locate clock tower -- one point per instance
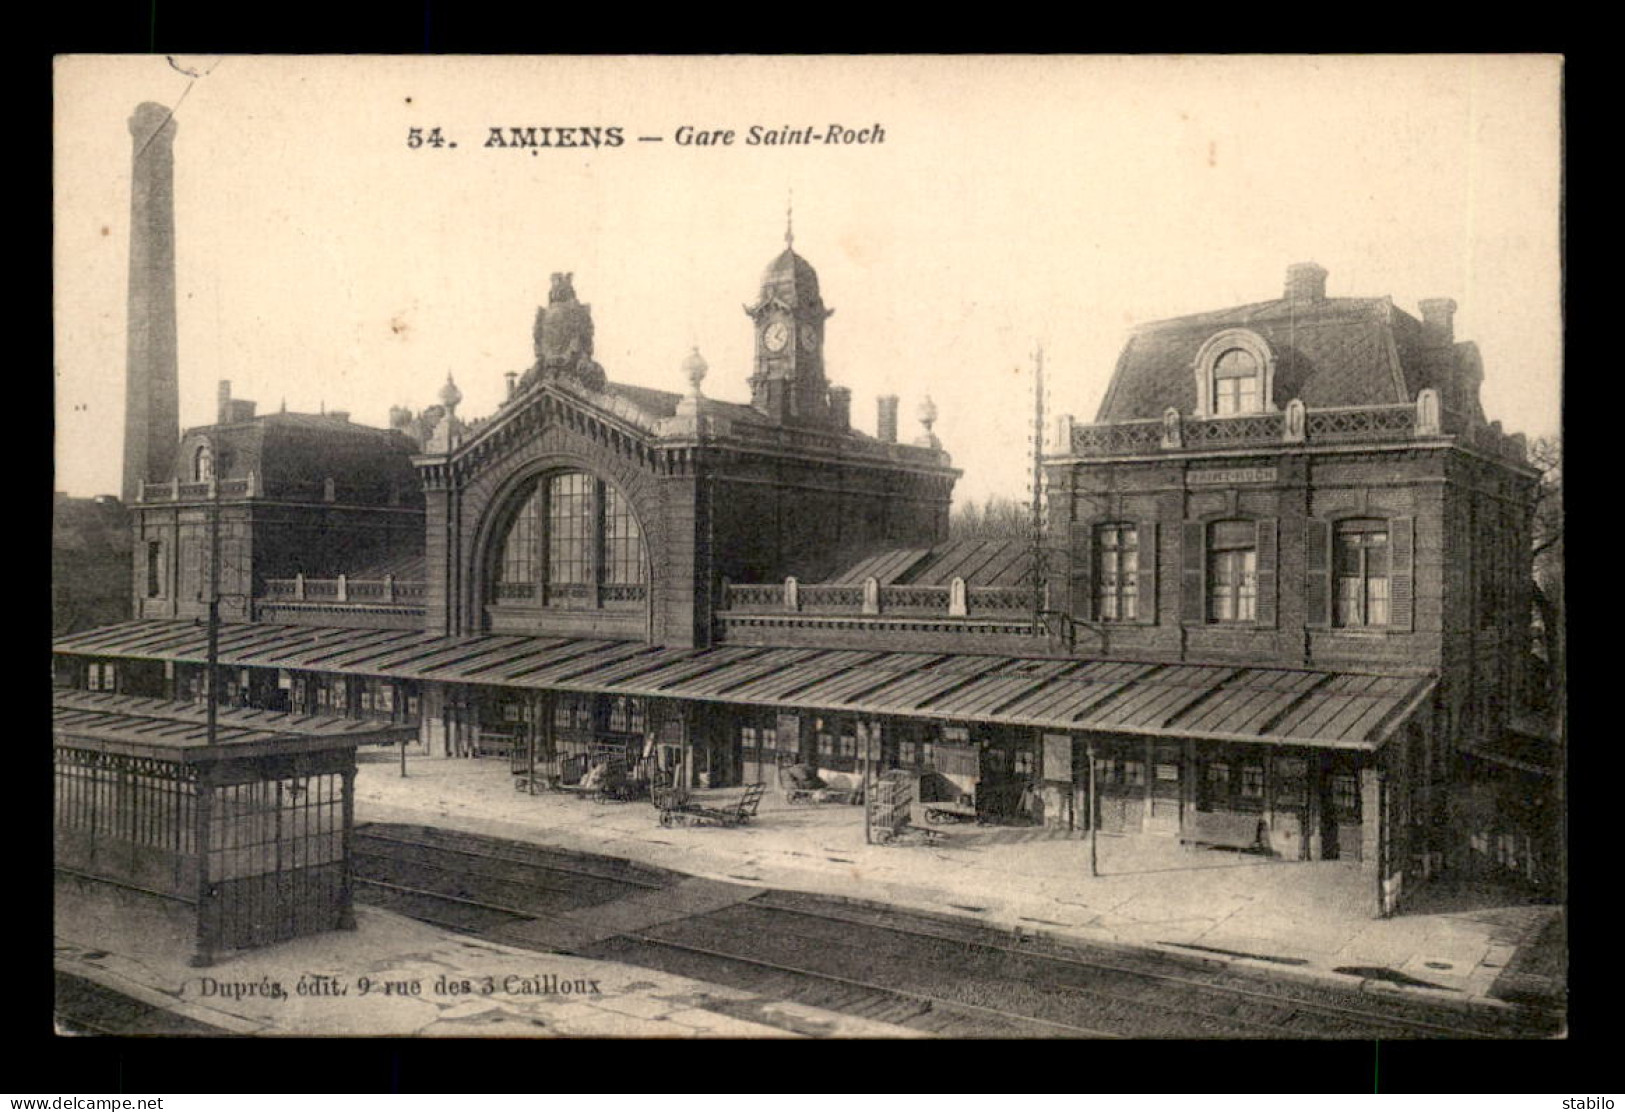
(788, 382)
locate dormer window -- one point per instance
(1235, 383)
(1234, 375)
(203, 464)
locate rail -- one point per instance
(1296, 424)
(360, 592)
(954, 600)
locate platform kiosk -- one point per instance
(240, 843)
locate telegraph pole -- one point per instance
(1040, 568)
(212, 668)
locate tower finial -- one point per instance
(790, 221)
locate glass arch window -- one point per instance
(571, 541)
(1236, 383)
(202, 464)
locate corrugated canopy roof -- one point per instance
(1348, 710)
(179, 730)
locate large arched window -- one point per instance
(571, 541)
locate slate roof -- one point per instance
(293, 454)
(1329, 352)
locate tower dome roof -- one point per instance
(791, 275)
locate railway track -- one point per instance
(85, 1008)
(939, 976)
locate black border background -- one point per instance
(42, 1064)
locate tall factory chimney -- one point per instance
(152, 378)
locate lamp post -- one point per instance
(1094, 817)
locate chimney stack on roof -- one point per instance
(840, 407)
(1438, 322)
(1305, 282)
(230, 410)
(886, 423)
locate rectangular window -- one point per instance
(519, 550)
(1117, 563)
(1360, 562)
(1346, 797)
(1252, 782)
(626, 715)
(573, 712)
(155, 576)
(1133, 774)
(623, 544)
(1232, 571)
(569, 529)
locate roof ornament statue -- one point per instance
(563, 337)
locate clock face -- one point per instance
(776, 336)
(809, 338)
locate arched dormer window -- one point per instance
(1235, 374)
(203, 463)
(571, 541)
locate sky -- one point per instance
(1009, 204)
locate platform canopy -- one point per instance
(179, 730)
(1221, 702)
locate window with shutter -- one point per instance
(1267, 531)
(1317, 583)
(1148, 573)
(1402, 577)
(1192, 565)
(1083, 580)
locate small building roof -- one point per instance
(178, 731)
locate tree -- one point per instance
(1000, 518)
(1546, 539)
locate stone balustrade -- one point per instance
(869, 598)
(1295, 424)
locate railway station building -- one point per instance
(1283, 603)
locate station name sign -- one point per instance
(1230, 476)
